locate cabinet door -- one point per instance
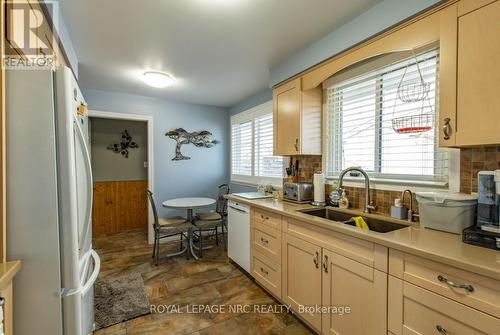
(362, 289)
(417, 311)
(287, 114)
(478, 101)
(301, 281)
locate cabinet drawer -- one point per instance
(482, 294)
(267, 273)
(267, 218)
(364, 252)
(424, 312)
(267, 241)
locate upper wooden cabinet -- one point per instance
(297, 119)
(470, 74)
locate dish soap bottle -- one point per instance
(343, 201)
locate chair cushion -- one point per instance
(172, 220)
(207, 224)
(208, 216)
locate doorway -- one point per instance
(121, 164)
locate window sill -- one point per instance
(398, 185)
(255, 181)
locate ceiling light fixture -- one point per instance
(157, 79)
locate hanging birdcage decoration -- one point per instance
(412, 91)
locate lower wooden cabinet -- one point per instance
(417, 311)
(333, 293)
(342, 285)
(267, 273)
(356, 295)
(301, 278)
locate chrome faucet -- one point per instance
(411, 214)
(368, 203)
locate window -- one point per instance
(372, 124)
(252, 159)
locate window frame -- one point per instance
(385, 181)
(245, 116)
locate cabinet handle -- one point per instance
(264, 271)
(316, 260)
(264, 217)
(467, 287)
(296, 145)
(441, 330)
(263, 240)
(447, 128)
(325, 264)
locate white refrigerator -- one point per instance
(49, 203)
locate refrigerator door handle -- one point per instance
(88, 166)
(66, 292)
(95, 273)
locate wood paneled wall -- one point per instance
(118, 206)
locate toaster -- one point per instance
(298, 192)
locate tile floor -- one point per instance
(185, 284)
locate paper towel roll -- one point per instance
(319, 187)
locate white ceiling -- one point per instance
(219, 51)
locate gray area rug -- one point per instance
(119, 299)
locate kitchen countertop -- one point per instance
(435, 245)
(7, 271)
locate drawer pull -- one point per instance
(264, 217)
(264, 271)
(325, 264)
(263, 240)
(316, 260)
(445, 280)
(441, 330)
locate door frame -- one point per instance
(149, 120)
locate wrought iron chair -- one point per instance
(211, 221)
(167, 227)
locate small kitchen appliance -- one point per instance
(487, 231)
(488, 192)
(298, 192)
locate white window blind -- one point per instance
(372, 124)
(252, 159)
(241, 134)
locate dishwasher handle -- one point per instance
(238, 209)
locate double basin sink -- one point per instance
(377, 225)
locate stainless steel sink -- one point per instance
(377, 225)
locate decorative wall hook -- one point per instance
(202, 139)
(125, 144)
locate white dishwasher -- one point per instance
(238, 234)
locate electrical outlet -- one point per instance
(146, 164)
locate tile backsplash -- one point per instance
(472, 160)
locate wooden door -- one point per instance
(478, 98)
(287, 115)
(301, 278)
(118, 206)
(363, 289)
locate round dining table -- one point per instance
(189, 204)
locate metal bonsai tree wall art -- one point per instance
(125, 144)
(201, 139)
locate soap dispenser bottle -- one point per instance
(343, 201)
